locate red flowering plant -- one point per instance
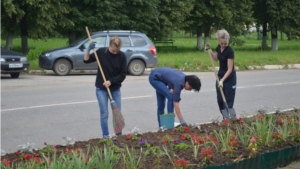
(228, 141)
(183, 129)
(185, 137)
(181, 164)
(132, 137)
(206, 155)
(167, 139)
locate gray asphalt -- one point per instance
(45, 108)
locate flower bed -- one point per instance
(266, 139)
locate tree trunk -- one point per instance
(24, 32)
(264, 38)
(274, 39)
(280, 35)
(72, 37)
(206, 34)
(199, 39)
(9, 40)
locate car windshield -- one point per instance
(77, 42)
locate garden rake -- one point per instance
(228, 113)
(118, 120)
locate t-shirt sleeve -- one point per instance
(176, 94)
(230, 54)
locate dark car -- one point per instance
(138, 48)
(13, 63)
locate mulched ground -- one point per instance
(155, 139)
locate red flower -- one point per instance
(299, 120)
(239, 119)
(225, 122)
(78, 150)
(54, 147)
(201, 141)
(235, 143)
(232, 138)
(215, 140)
(68, 151)
(37, 159)
(253, 140)
(128, 136)
(260, 117)
(181, 163)
(280, 120)
(7, 162)
(165, 140)
(175, 130)
(228, 151)
(183, 137)
(186, 129)
(45, 143)
(17, 153)
(27, 156)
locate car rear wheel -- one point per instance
(15, 75)
(62, 67)
(136, 67)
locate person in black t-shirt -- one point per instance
(226, 73)
(114, 65)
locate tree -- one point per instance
(171, 16)
(142, 15)
(36, 18)
(96, 14)
(217, 14)
(10, 19)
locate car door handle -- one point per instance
(129, 50)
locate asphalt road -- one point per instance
(44, 108)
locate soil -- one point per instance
(156, 139)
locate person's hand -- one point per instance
(183, 123)
(107, 84)
(171, 91)
(220, 84)
(91, 46)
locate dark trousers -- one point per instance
(229, 88)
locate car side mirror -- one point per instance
(82, 47)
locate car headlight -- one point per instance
(47, 54)
(2, 60)
(23, 59)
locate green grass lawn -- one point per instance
(186, 57)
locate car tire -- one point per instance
(136, 67)
(62, 67)
(15, 75)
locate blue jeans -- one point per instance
(102, 96)
(162, 93)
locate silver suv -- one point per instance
(139, 50)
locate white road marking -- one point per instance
(71, 103)
(136, 97)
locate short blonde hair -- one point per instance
(116, 41)
(223, 35)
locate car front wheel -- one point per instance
(62, 67)
(136, 67)
(15, 75)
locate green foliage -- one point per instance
(182, 146)
(263, 128)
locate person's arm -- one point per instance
(87, 57)
(213, 55)
(178, 111)
(122, 75)
(229, 70)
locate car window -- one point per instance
(100, 42)
(138, 40)
(125, 41)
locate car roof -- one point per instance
(10, 52)
(117, 32)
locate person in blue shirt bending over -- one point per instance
(168, 84)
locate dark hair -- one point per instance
(194, 82)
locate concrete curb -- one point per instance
(266, 67)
